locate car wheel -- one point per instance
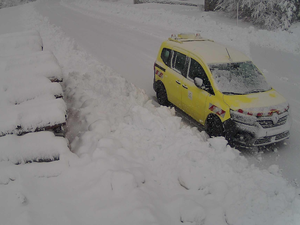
(214, 126)
(161, 95)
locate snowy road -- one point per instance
(282, 72)
(130, 48)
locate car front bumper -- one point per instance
(263, 132)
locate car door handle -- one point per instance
(184, 86)
(178, 82)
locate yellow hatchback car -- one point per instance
(221, 89)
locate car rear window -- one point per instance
(166, 55)
(179, 60)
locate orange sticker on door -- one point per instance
(216, 110)
(158, 73)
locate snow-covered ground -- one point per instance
(134, 162)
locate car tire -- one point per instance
(161, 95)
(214, 126)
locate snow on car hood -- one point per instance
(262, 102)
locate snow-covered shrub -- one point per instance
(297, 3)
(10, 3)
(269, 14)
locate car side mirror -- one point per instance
(198, 82)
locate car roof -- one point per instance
(209, 51)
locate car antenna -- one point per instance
(230, 59)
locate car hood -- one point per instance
(257, 102)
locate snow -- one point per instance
(21, 149)
(19, 92)
(132, 162)
(239, 80)
(32, 115)
(39, 63)
(20, 43)
(209, 28)
(28, 97)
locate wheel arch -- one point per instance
(157, 83)
(160, 85)
(214, 118)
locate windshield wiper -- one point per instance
(255, 91)
(258, 90)
(232, 93)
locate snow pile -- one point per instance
(35, 64)
(20, 43)
(139, 164)
(31, 116)
(27, 148)
(28, 100)
(30, 89)
(25, 77)
(28, 97)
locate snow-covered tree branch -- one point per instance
(269, 14)
(10, 3)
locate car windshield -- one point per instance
(238, 78)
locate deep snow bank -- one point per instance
(28, 95)
(31, 147)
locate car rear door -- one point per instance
(175, 76)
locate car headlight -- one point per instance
(243, 118)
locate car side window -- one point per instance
(179, 63)
(196, 70)
(166, 55)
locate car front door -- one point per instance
(194, 98)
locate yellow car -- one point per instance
(221, 89)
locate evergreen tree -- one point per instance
(10, 3)
(269, 14)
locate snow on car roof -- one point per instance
(211, 52)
